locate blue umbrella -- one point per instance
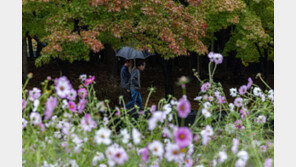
(131, 53)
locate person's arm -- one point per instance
(134, 78)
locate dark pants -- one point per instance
(136, 98)
(126, 95)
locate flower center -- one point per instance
(155, 149)
(175, 152)
(182, 136)
(71, 106)
(117, 155)
(103, 136)
(182, 150)
(62, 88)
(182, 107)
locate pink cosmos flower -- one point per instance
(234, 147)
(87, 123)
(183, 137)
(243, 89)
(250, 82)
(42, 128)
(82, 93)
(153, 108)
(221, 100)
(188, 162)
(218, 58)
(118, 111)
(145, 154)
(268, 162)
(239, 124)
(24, 123)
(211, 56)
(238, 102)
(62, 87)
(119, 156)
(34, 94)
(24, 104)
(72, 106)
(51, 103)
(244, 112)
(205, 87)
(184, 108)
(196, 138)
(89, 80)
(81, 105)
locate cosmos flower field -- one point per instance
(69, 127)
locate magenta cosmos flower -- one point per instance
(145, 154)
(89, 80)
(82, 93)
(243, 89)
(87, 123)
(72, 106)
(205, 87)
(81, 105)
(51, 103)
(183, 137)
(184, 108)
(239, 124)
(34, 94)
(24, 104)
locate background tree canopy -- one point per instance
(72, 29)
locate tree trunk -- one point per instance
(168, 77)
(110, 60)
(30, 47)
(63, 65)
(24, 59)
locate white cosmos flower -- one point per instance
(167, 108)
(197, 98)
(126, 136)
(270, 94)
(103, 136)
(65, 103)
(136, 136)
(231, 107)
(243, 155)
(240, 163)
(119, 156)
(207, 105)
(208, 131)
(103, 165)
(156, 148)
(206, 113)
(36, 104)
(233, 92)
(173, 153)
(170, 117)
(35, 118)
(257, 91)
(222, 156)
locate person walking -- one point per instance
(135, 85)
(124, 80)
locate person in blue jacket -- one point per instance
(135, 86)
(124, 79)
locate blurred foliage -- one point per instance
(164, 26)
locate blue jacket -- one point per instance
(135, 79)
(124, 77)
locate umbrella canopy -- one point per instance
(131, 53)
